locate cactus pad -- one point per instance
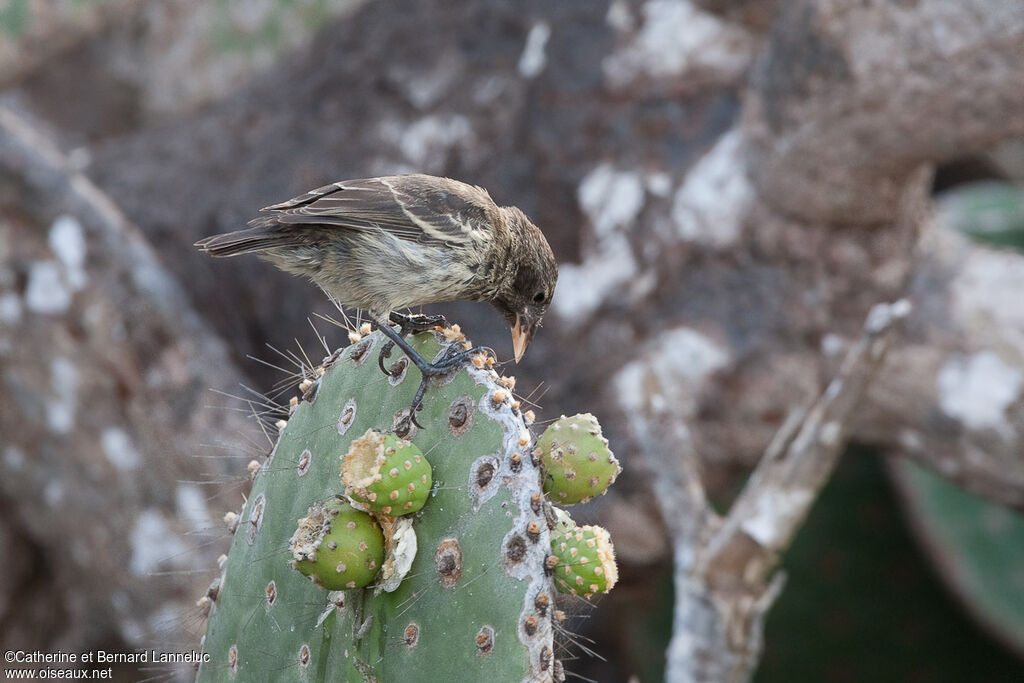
(576, 460)
(383, 473)
(471, 595)
(337, 546)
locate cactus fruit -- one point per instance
(577, 462)
(585, 559)
(383, 473)
(337, 546)
(471, 595)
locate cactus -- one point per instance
(465, 592)
(976, 546)
(577, 462)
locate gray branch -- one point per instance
(726, 581)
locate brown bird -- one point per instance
(382, 244)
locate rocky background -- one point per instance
(729, 186)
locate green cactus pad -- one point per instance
(975, 544)
(471, 598)
(576, 460)
(385, 474)
(337, 546)
(586, 560)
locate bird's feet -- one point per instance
(413, 324)
(451, 360)
(407, 324)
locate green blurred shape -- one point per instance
(14, 17)
(990, 212)
(977, 546)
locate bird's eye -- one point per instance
(539, 297)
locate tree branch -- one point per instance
(727, 580)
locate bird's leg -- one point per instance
(453, 358)
(408, 324)
(447, 363)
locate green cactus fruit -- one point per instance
(385, 474)
(464, 593)
(576, 460)
(337, 546)
(585, 559)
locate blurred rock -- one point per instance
(126, 63)
(114, 470)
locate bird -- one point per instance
(396, 242)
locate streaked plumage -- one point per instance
(382, 244)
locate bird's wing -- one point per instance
(417, 208)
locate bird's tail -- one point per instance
(263, 236)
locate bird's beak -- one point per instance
(522, 333)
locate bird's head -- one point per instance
(526, 297)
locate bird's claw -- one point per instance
(417, 403)
(408, 324)
(449, 361)
(453, 358)
(385, 352)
